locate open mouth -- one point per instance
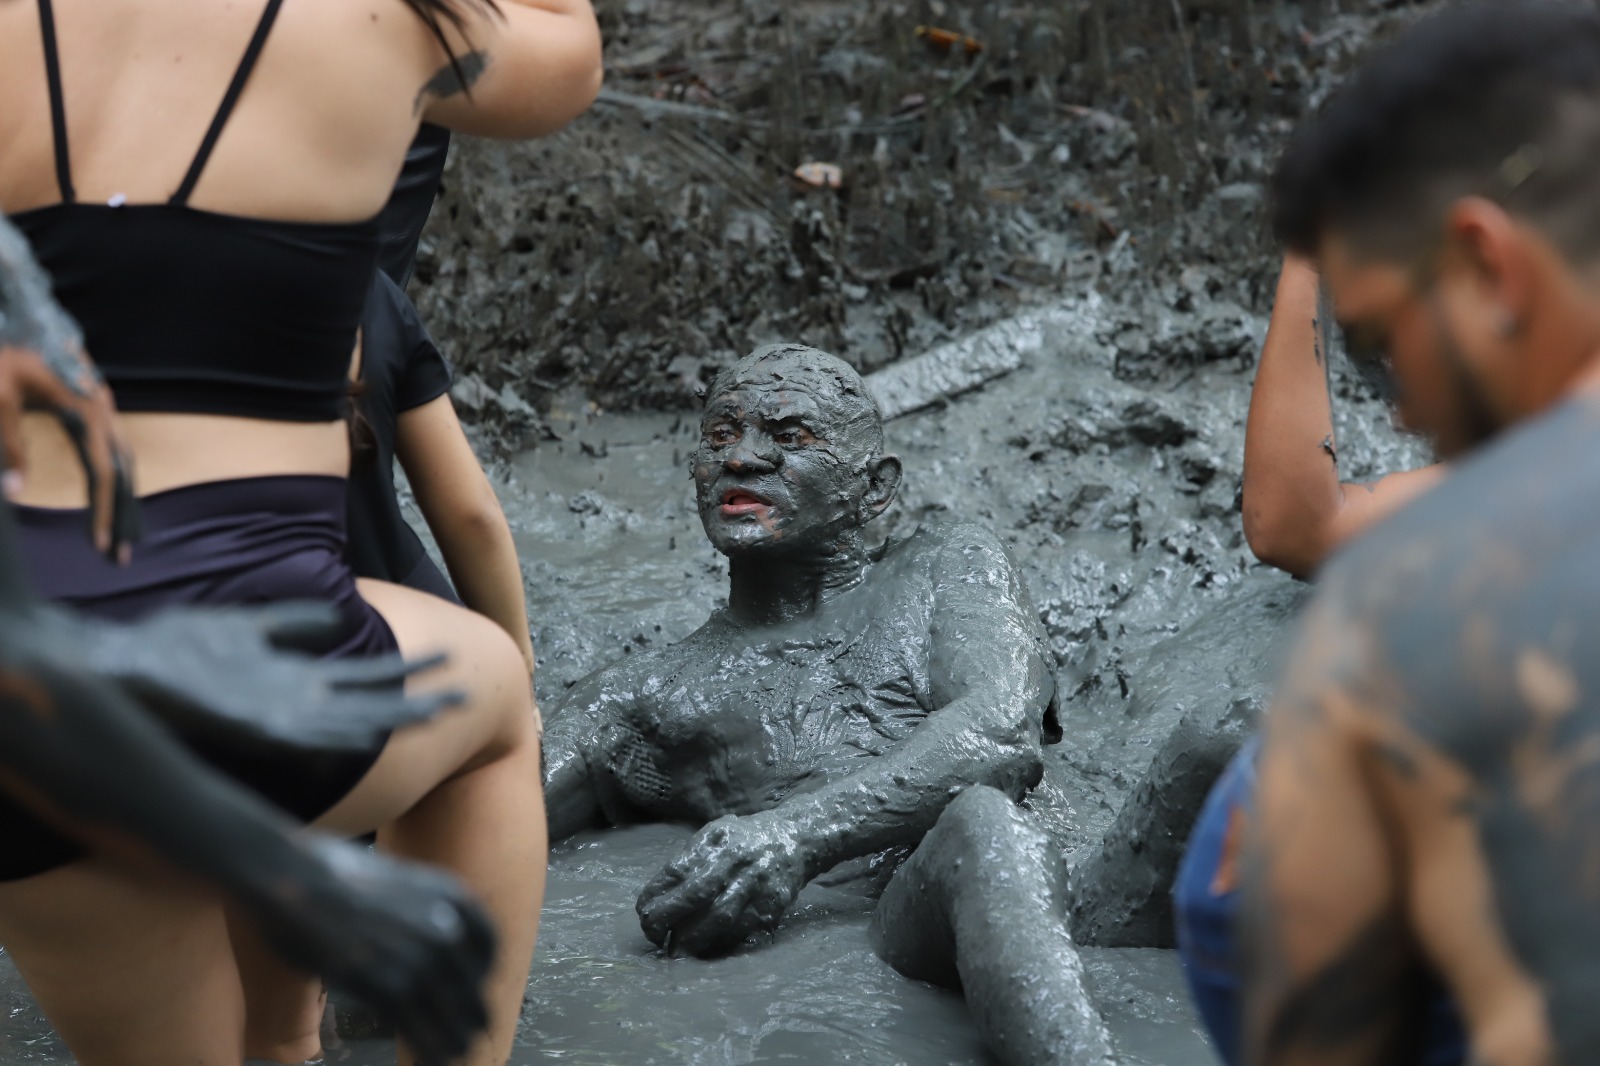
(743, 502)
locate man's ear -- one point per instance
(883, 484)
(1493, 265)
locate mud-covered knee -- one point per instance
(980, 816)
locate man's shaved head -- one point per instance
(832, 382)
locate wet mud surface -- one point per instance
(600, 994)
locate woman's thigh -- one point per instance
(132, 967)
(495, 716)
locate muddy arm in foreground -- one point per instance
(403, 938)
(42, 362)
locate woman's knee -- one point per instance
(482, 662)
(509, 692)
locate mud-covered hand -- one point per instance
(404, 939)
(738, 876)
(237, 673)
(43, 364)
(69, 387)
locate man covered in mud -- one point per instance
(1428, 808)
(825, 720)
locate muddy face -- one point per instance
(769, 474)
(788, 458)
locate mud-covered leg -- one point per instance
(982, 904)
(1122, 891)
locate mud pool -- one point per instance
(1116, 488)
(600, 995)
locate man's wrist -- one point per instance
(817, 837)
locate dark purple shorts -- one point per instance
(225, 543)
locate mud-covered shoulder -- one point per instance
(1470, 622)
(961, 551)
(981, 603)
(1457, 607)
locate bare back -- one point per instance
(318, 134)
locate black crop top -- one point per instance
(194, 311)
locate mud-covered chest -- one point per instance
(851, 680)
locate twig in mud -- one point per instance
(962, 83)
(1187, 47)
(673, 109)
(717, 166)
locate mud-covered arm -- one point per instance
(990, 683)
(1330, 970)
(1296, 510)
(572, 743)
(77, 748)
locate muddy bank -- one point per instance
(1083, 147)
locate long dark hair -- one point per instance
(431, 12)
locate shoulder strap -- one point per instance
(58, 107)
(251, 53)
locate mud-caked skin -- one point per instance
(828, 716)
(1443, 725)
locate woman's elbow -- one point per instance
(1277, 542)
(588, 78)
(583, 74)
(482, 525)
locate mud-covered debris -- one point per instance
(819, 176)
(503, 420)
(1113, 421)
(942, 40)
(963, 365)
(586, 503)
(580, 260)
(1180, 340)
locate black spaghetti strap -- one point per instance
(251, 53)
(58, 106)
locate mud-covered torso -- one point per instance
(737, 718)
(1474, 619)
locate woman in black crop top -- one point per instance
(201, 178)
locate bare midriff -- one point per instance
(174, 450)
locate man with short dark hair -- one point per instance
(1429, 805)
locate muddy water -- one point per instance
(1115, 488)
(600, 995)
